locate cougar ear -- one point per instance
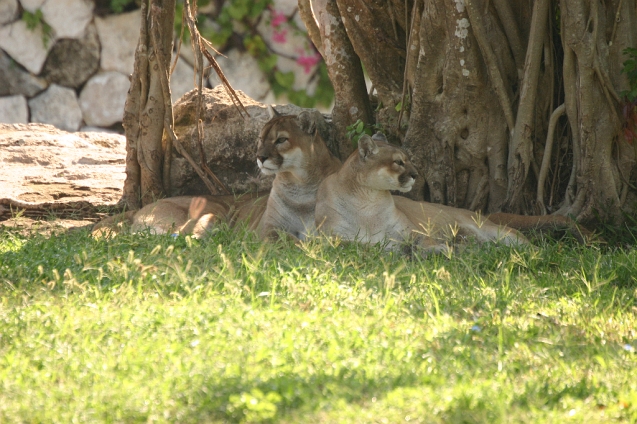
(379, 136)
(307, 121)
(366, 146)
(272, 112)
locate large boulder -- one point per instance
(229, 141)
(182, 80)
(242, 70)
(68, 18)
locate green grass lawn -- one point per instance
(145, 328)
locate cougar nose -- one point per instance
(262, 158)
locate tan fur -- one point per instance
(291, 148)
(356, 204)
(187, 215)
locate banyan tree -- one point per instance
(520, 106)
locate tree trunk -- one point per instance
(601, 156)
(458, 131)
(145, 107)
(471, 88)
(351, 102)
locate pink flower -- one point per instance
(278, 18)
(308, 62)
(280, 36)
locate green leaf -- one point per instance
(118, 6)
(268, 63)
(286, 79)
(399, 106)
(258, 7)
(360, 126)
(238, 9)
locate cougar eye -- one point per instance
(280, 140)
(399, 162)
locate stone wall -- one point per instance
(70, 68)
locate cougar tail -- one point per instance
(112, 225)
(543, 223)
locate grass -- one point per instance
(145, 328)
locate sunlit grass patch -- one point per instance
(227, 329)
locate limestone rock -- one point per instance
(243, 73)
(57, 106)
(68, 18)
(182, 80)
(119, 35)
(14, 110)
(15, 80)
(25, 46)
(8, 11)
(72, 61)
(229, 141)
(103, 97)
(41, 164)
(32, 5)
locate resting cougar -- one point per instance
(356, 204)
(289, 147)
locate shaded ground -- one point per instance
(47, 173)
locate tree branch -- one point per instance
(168, 119)
(307, 16)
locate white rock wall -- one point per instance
(37, 85)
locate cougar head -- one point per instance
(383, 166)
(284, 142)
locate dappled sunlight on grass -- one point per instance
(156, 328)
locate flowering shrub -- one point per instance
(271, 36)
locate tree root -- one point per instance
(548, 149)
(521, 147)
(490, 59)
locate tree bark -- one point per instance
(135, 101)
(351, 101)
(591, 110)
(456, 136)
(144, 110)
(379, 42)
(521, 145)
